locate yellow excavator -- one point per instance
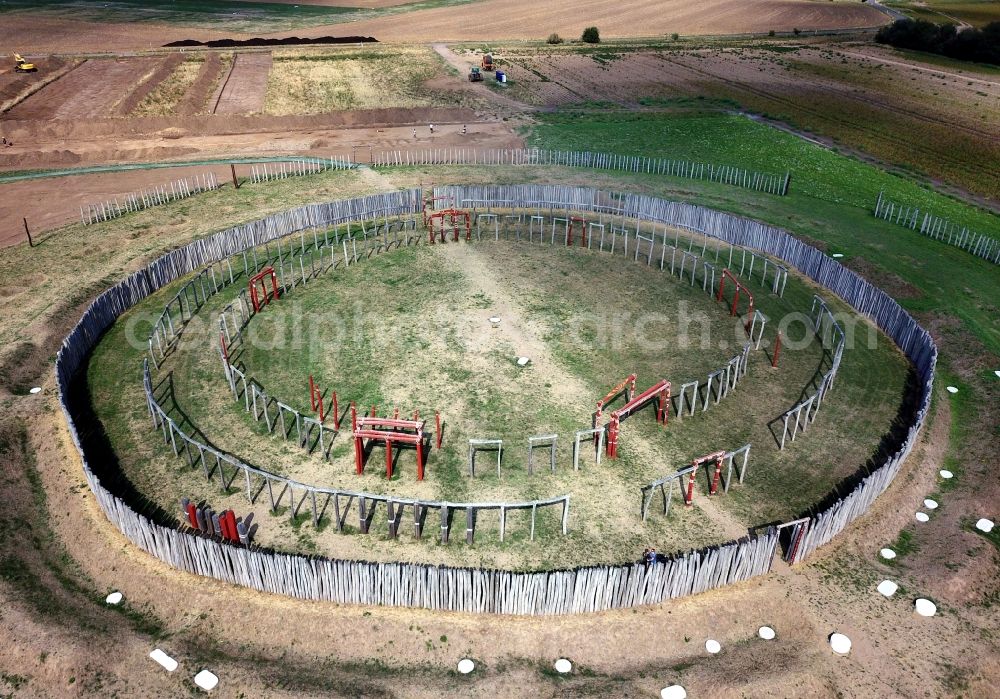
(22, 66)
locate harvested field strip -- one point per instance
(244, 90)
(210, 74)
(360, 80)
(88, 91)
(149, 83)
(163, 100)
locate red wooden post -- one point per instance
(312, 393)
(395, 413)
(225, 350)
(274, 284)
(358, 445)
(231, 520)
(777, 350)
(420, 456)
(690, 493)
(736, 300)
(388, 459)
(192, 516)
(373, 411)
(715, 479)
(322, 415)
(437, 420)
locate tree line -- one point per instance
(972, 44)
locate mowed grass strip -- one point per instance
(303, 82)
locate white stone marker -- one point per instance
(887, 554)
(985, 525)
(562, 666)
(163, 659)
(840, 644)
(887, 588)
(766, 632)
(674, 691)
(114, 598)
(713, 646)
(925, 607)
(922, 516)
(206, 680)
(465, 666)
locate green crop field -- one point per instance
(230, 15)
(977, 12)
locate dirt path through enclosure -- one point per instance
(244, 90)
(527, 340)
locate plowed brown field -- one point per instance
(90, 90)
(518, 19)
(244, 90)
(498, 19)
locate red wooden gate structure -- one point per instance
(453, 216)
(659, 391)
(717, 457)
(736, 296)
(387, 430)
(263, 297)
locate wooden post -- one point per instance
(232, 169)
(777, 350)
(27, 232)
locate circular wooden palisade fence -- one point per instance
(586, 589)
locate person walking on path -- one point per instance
(432, 128)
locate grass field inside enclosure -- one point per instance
(410, 329)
